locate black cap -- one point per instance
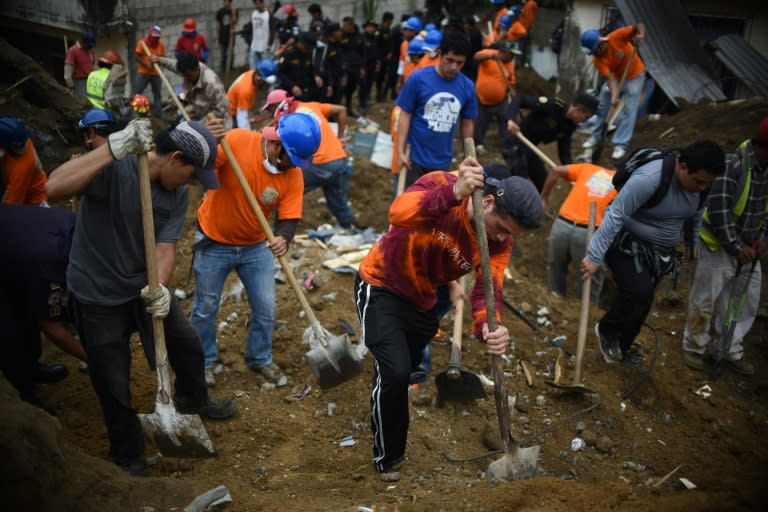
(314, 8)
(370, 22)
(587, 101)
(496, 170)
(520, 199)
(330, 29)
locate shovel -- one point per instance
(455, 384)
(536, 150)
(174, 434)
(521, 464)
(610, 120)
(332, 359)
(167, 84)
(578, 385)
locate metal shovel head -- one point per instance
(569, 388)
(518, 465)
(175, 434)
(467, 387)
(333, 359)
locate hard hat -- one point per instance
(505, 21)
(266, 68)
(433, 40)
(98, 119)
(190, 25)
(140, 104)
(13, 133)
(514, 11)
(429, 27)
(300, 135)
(111, 57)
(412, 23)
(416, 47)
(589, 41)
(498, 2)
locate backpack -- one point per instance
(641, 157)
(247, 33)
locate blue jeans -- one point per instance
(332, 177)
(630, 93)
(254, 58)
(256, 267)
(142, 80)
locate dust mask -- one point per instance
(271, 169)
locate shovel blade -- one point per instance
(333, 362)
(569, 388)
(177, 435)
(520, 464)
(467, 387)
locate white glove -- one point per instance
(133, 139)
(158, 303)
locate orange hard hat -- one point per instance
(190, 25)
(111, 57)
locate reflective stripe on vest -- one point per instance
(94, 88)
(745, 180)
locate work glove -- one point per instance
(133, 139)
(159, 302)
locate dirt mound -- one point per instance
(531, 83)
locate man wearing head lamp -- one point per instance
(230, 237)
(431, 242)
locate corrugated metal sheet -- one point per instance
(744, 61)
(670, 50)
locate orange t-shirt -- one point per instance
(144, 66)
(516, 31)
(242, 93)
(330, 146)
(225, 215)
(409, 68)
(490, 86)
(426, 61)
(591, 183)
(404, 50)
(617, 56)
(528, 14)
(24, 177)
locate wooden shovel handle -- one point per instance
(620, 105)
(499, 391)
(584, 313)
(150, 254)
(536, 150)
(454, 366)
(268, 230)
(166, 82)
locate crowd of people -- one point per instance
(445, 76)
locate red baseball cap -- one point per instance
(275, 98)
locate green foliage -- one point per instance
(366, 10)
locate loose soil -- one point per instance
(279, 454)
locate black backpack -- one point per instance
(639, 158)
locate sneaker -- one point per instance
(272, 373)
(693, 360)
(418, 376)
(213, 408)
(611, 351)
(618, 152)
(589, 143)
(210, 379)
(132, 466)
(741, 366)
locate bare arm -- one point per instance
(72, 176)
(166, 259)
(560, 171)
(467, 128)
(63, 339)
(403, 126)
(340, 111)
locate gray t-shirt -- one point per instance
(660, 225)
(107, 265)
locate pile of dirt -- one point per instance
(531, 83)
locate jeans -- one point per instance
(484, 115)
(332, 177)
(255, 266)
(254, 58)
(154, 81)
(79, 86)
(625, 122)
(568, 244)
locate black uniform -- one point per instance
(352, 54)
(385, 54)
(292, 69)
(476, 44)
(370, 63)
(545, 123)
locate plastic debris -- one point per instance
(331, 408)
(215, 499)
(634, 466)
(687, 483)
(180, 294)
(232, 317)
(542, 311)
(577, 444)
(623, 407)
(485, 380)
(704, 391)
(347, 441)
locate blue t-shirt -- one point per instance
(435, 105)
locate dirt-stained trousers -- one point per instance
(395, 332)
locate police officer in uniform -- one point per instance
(352, 54)
(293, 65)
(550, 119)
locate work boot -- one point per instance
(212, 408)
(741, 366)
(272, 373)
(48, 373)
(693, 360)
(210, 378)
(618, 152)
(131, 465)
(609, 348)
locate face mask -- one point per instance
(271, 169)
(432, 54)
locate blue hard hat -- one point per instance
(505, 21)
(433, 40)
(99, 119)
(412, 23)
(266, 67)
(300, 135)
(498, 2)
(416, 46)
(13, 133)
(589, 41)
(514, 11)
(429, 27)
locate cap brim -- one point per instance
(207, 177)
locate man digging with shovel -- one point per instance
(431, 242)
(107, 273)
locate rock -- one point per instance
(261, 470)
(522, 407)
(391, 476)
(580, 427)
(321, 279)
(526, 308)
(281, 326)
(604, 444)
(422, 399)
(589, 437)
(540, 400)
(492, 437)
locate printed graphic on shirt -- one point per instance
(599, 184)
(442, 111)
(269, 195)
(57, 300)
(447, 242)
